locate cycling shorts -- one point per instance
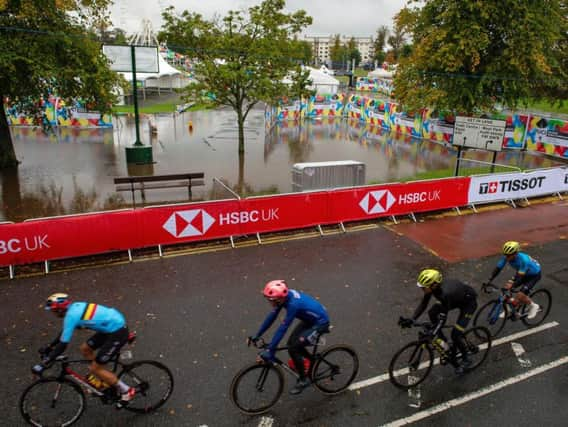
(108, 344)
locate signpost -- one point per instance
(483, 134)
(143, 59)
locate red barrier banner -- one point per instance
(66, 237)
(190, 222)
(398, 199)
(215, 220)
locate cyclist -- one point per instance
(314, 321)
(451, 294)
(528, 273)
(111, 333)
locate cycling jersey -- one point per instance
(451, 294)
(298, 306)
(523, 263)
(90, 316)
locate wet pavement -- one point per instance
(194, 312)
(73, 170)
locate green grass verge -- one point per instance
(158, 108)
(548, 107)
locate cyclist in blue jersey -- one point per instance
(528, 273)
(314, 321)
(111, 333)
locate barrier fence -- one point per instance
(43, 240)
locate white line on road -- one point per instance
(509, 338)
(476, 394)
(519, 350)
(266, 422)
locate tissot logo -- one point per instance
(194, 222)
(488, 187)
(511, 185)
(377, 201)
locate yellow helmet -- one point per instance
(429, 277)
(511, 248)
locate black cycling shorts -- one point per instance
(528, 282)
(108, 344)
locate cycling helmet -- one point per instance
(429, 277)
(275, 289)
(511, 248)
(57, 302)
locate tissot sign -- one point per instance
(517, 185)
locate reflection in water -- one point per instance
(73, 170)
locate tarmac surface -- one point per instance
(194, 313)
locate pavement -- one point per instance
(194, 312)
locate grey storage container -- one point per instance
(321, 175)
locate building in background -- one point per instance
(321, 47)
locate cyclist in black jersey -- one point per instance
(451, 294)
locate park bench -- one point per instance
(143, 183)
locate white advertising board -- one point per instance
(514, 186)
(485, 134)
(121, 58)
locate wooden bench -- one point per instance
(143, 183)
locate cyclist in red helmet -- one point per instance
(111, 333)
(314, 321)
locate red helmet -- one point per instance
(57, 302)
(275, 289)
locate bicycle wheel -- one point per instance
(478, 342)
(411, 365)
(488, 316)
(153, 382)
(52, 402)
(543, 298)
(335, 369)
(256, 388)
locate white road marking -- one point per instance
(519, 350)
(499, 341)
(266, 422)
(476, 394)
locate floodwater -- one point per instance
(73, 170)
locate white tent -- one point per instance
(381, 72)
(168, 77)
(323, 83)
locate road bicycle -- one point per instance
(257, 387)
(412, 364)
(494, 314)
(59, 400)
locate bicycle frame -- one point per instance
(283, 365)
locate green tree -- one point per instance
(337, 51)
(379, 44)
(397, 40)
(302, 51)
(352, 51)
(243, 58)
(468, 56)
(48, 47)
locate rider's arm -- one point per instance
(268, 321)
(58, 349)
(423, 304)
(498, 268)
(281, 331)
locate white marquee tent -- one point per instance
(322, 83)
(382, 73)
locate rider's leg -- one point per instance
(109, 346)
(527, 285)
(296, 348)
(466, 313)
(434, 316)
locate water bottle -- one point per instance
(441, 344)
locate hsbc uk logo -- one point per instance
(194, 222)
(377, 201)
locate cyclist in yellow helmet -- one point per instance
(452, 294)
(527, 274)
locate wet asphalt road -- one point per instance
(194, 312)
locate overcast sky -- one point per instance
(350, 18)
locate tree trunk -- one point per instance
(7, 153)
(241, 123)
(11, 194)
(241, 182)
